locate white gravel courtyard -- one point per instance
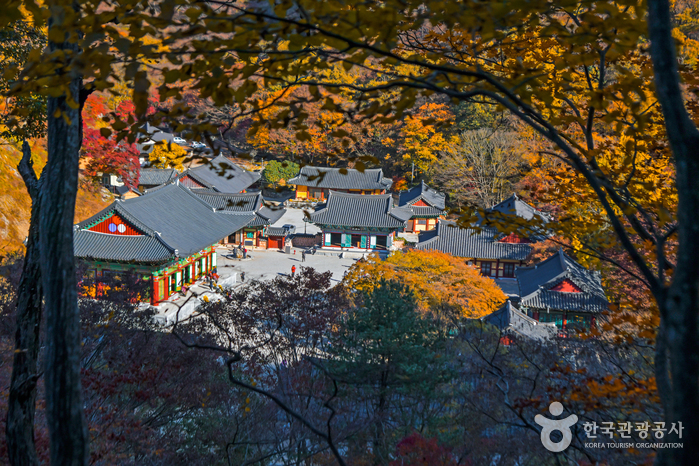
(267, 264)
(294, 216)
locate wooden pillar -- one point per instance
(155, 295)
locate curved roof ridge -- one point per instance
(200, 200)
(116, 207)
(102, 213)
(516, 208)
(197, 178)
(331, 178)
(159, 237)
(358, 195)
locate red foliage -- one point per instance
(106, 155)
(416, 450)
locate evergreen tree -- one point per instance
(384, 351)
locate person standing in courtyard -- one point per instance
(293, 270)
(303, 256)
(242, 277)
(245, 253)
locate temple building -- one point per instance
(514, 323)
(277, 237)
(427, 205)
(151, 177)
(252, 234)
(561, 291)
(315, 183)
(529, 221)
(359, 222)
(220, 175)
(484, 249)
(167, 235)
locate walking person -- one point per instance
(245, 253)
(293, 270)
(303, 256)
(242, 277)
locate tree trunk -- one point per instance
(379, 435)
(679, 304)
(67, 430)
(22, 397)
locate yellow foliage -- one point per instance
(445, 286)
(15, 203)
(422, 139)
(167, 156)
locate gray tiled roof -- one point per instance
(535, 285)
(280, 231)
(432, 197)
(516, 216)
(364, 211)
(241, 202)
(93, 245)
(222, 175)
(514, 205)
(466, 242)
(266, 216)
(426, 211)
(508, 286)
(156, 176)
(171, 215)
(331, 178)
(511, 320)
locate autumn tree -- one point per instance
(269, 333)
(20, 116)
(422, 140)
(444, 285)
(481, 168)
(167, 156)
(278, 173)
(322, 145)
(104, 155)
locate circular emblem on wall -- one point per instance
(112, 227)
(121, 228)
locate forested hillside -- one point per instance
(15, 205)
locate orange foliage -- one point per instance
(422, 138)
(445, 286)
(324, 130)
(15, 204)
